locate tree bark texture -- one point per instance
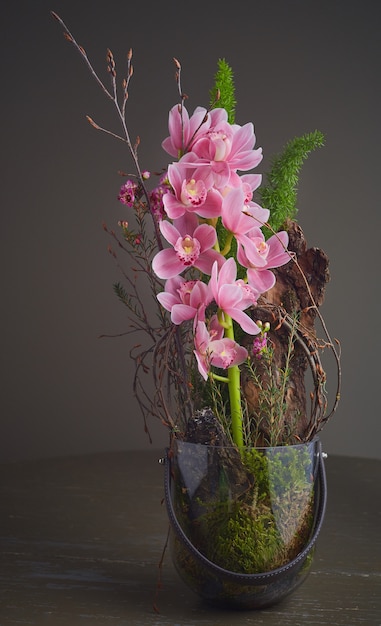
(298, 292)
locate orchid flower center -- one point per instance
(188, 249)
(248, 293)
(247, 192)
(226, 358)
(262, 248)
(222, 145)
(185, 291)
(193, 192)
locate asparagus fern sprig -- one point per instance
(279, 194)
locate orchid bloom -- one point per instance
(229, 296)
(213, 144)
(249, 183)
(233, 214)
(192, 245)
(228, 142)
(227, 147)
(185, 299)
(190, 193)
(182, 129)
(260, 256)
(212, 349)
(205, 196)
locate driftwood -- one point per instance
(298, 292)
(204, 428)
(291, 309)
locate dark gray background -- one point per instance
(298, 65)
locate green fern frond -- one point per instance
(279, 195)
(224, 86)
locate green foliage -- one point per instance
(129, 300)
(224, 88)
(227, 539)
(268, 525)
(268, 422)
(122, 294)
(285, 468)
(279, 195)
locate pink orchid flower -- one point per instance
(228, 142)
(260, 256)
(230, 297)
(270, 254)
(235, 214)
(215, 145)
(217, 173)
(190, 193)
(182, 129)
(192, 245)
(250, 182)
(185, 299)
(212, 349)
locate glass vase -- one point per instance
(244, 522)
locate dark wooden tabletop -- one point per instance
(82, 537)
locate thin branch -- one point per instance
(120, 111)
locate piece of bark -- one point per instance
(224, 460)
(298, 291)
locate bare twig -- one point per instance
(121, 110)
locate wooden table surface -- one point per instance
(81, 538)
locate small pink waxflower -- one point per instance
(260, 342)
(211, 349)
(156, 201)
(157, 195)
(192, 245)
(127, 193)
(260, 345)
(230, 297)
(185, 299)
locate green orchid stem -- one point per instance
(221, 379)
(228, 244)
(234, 386)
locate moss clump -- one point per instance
(237, 541)
(264, 528)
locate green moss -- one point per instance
(239, 542)
(265, 527)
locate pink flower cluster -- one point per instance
(206, 190)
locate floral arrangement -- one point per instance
(228, 332)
